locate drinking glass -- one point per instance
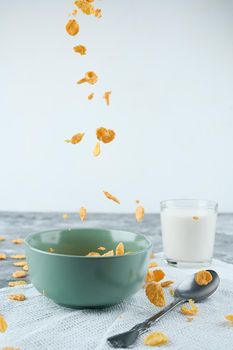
(188, 231)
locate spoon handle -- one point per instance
(147, 323)
(126, 339)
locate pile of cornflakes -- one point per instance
(120, 250)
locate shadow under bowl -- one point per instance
(70, 278)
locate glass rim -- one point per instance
(200, 203)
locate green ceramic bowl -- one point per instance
(72, 279)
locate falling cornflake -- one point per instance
(111, 197)
(72, 27)
(98, 13)
(155, 294)
(81, 49)
(90, 96)
(107, 97)
(140, 213)
(105, 135)
(96, 150)
(75, 138)
(83, 213)
(90, 78)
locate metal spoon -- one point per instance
(188, 289)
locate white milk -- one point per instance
(188, 234)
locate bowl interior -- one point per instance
(82, 241)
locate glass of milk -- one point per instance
(188, 231)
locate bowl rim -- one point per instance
(85, 256)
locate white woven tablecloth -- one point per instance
(38, 323)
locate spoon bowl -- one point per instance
(189, 289)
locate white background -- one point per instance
(169, 64)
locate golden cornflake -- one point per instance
(155, 275)
(105, 135)
(111, 197)
(166, 283)
(152, 264)
(2, 256)
(203, 277)
(74, 12)
(156, 339)
(149, 276)
(101, 248)
(189, 319)
(83, 213)
(139, 213)
(107, 97)
(20, 263)
(18, 256)
(90, 78)
(229, 318)
(98, 13)
(2, 238)
(193, 310)
(96, 150)
(72, 27)
(51, 250)
(171, 291)
(85, 7)
(155, 294)
(25, 268)
(17, 241)
(120, 249)
(80, 49)
(17, 297)
(195, 218)
(93, 254)
(3, 324)
(90, 96)
(159, 275)
(109, 253)
(16, 283)
(75, 138)
(19, 274)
